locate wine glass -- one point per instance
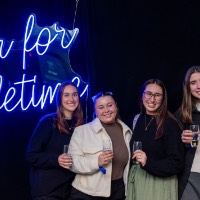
(137, 145)
(66, 150)
(195, 129)
(107, 145)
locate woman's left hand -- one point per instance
(65, 161)
(140, 156)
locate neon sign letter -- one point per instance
(38, 39)
(49, 34)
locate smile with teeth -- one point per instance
(151, 105)
(107, 114)
(71, 104)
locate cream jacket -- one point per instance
(85, 148)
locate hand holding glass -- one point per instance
(137, 145)
(195, 129)
(67, 157)
(108, 154)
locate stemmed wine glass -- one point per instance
(137, 145)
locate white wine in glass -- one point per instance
(195, 129)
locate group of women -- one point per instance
(167, 166)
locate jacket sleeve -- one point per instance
(84, 154)
(36, 153)
(173, 161)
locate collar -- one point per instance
(96, 124)
(198, 106)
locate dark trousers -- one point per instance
(61, 193)
(192, 189)
(117, 192)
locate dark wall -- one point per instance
(121, 44)
(132, 41)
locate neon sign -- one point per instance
(40, 40)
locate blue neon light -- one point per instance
(2, 42)
(15, 96)
(50, 33)
(47, 94)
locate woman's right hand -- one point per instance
(187, 136)
(105, 158)
(65, 161)
(140, 156)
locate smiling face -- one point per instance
(195, 85)
(106, 109)
(152, 98)
(69, 100)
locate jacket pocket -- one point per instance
(91, 149)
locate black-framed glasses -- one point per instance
(148, 95)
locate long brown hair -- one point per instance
(189, 101)
(162, 112)
(77, 114)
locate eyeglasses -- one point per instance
(148, 95)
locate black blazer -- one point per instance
(189, 154)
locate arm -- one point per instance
(37, 154)
(187, 134)
(84, 153)
(173, 161)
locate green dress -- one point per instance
(143, 186)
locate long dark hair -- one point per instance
(162, 112)
(77, 114)
(189, 101)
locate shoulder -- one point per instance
(172, 126)
(171, 121)
(85, 132)
(178, 115)
(124, 126)
(45, 124)
(48, 118)
(88, 126)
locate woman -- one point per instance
(48, 177)
(189, 113)
(161, 157)
(101, 174)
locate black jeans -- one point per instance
(117, 192)
(61, 193)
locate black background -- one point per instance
(121, 44)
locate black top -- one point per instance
(165, 155)
(189, 151)
(45, 145)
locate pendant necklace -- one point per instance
(69, 123)
(147, 125)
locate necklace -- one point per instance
(69, 123)
(145, 124)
